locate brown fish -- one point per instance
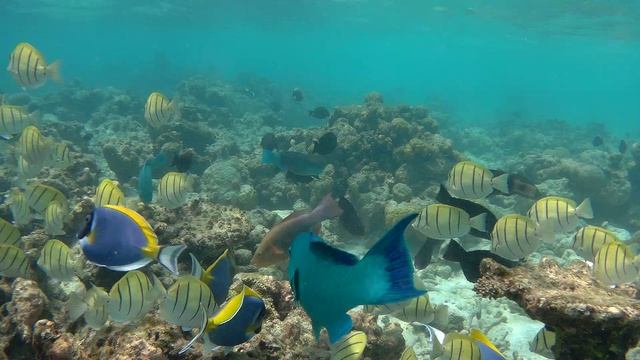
(274, 247)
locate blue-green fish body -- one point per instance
(328, 282)
(145, 183)
(295, 162)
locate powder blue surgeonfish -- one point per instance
(218, 275)
(122, 240)
(328, 282)
(237, 321)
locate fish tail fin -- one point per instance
(396, 272)
(53, 71)
(34, 117)
(584, 210)
(455, 251)
(327, 208)
(76, 306)
(196, 268)
(479, 222)
(270, 157)
(501, 183)
(168, 257)
(339, 327)
(545, 232)
(177, 111)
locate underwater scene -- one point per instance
(320, 179)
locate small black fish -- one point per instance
(473, 209)
(320, 112)
(268, 141)
(303, 179)
(349, 218)
(470, 260)
(325, 144)
(297, 94)
(597, 140)
(622, 147)
(184, 160)
(423, 258)
(518, 185)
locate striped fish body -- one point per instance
(386, 309)
(181, 304)
(418, 309)
(560, 212)
(439, 221)
(460, 347)
(96, 314)
(469, 180)
(39, 196)
(351, 347)
(514, 237)
(29, 68)
(544, 342)
(108, 193)
(60, 155)
(173, 189)
(408, 354)
(19, 207)
(133, 296)
(34, 147)
(589, 239)
(615, 264)
(13, 262)
(57, 261)
(159, 111)
(54, 218)
(26, 169)
(9, 234)
(13, 120)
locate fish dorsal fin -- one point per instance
(228, 310)
(328, 252)
(481, 337)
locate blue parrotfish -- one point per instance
(145, 176)
(328, 282)
(122, 240)
(218, 276)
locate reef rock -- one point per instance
(27, 304)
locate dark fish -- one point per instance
(349, 218)
(423, 258)
(470, 260)
(622, 147)
(184, 160)
(325, 144)
(597, 141)
(473, 209)
(303, 179)
(297, 94)
(320, 112)
(268, 141)
(295, 162)
(519, 185)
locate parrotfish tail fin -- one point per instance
(327, 208)
(203, 327)
(396, 274)
(270, 157)
(454, 251)
(501, 183)
(168, 257)
(584, 209)
(196, 268)
(545, 232)
(339, 327)
(479, 222)
(53, 71)
(76, 306)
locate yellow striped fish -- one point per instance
(9, 234)
(350, 347)
(92, 304)
(560, 212)
(515, 236)
(385, 309)
(408, 354)
(29, 68)
(39, 196)
(34, 147)
(19, 207)
(159, 111)
(616, 264)
(13, 119)
(54, 218)
(108, 193)
(544, 342)
(133, 296)
(57, 261)
(13, 262)
(460, 347)
(173, 189)
(181, 304)
(439, 221)
(417, 309)
(60, 154)
(28, 170)
(589, 239)
(469, 180)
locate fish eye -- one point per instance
(87, 219)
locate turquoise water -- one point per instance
(480, 61)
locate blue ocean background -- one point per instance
(478, 61)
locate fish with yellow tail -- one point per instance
(133, 296)
(121, 239)
(317, 272)
(218, 276)
(108, 192)
(589, 239)
(351, 347)
(14, 119)
(173, 189)
(468, 180)
(560, 212)
(159, 110)
(91, 304)
(443, 222)
(29, 68)
(475, 346)
(237, 321)
(184, 300)
(616, 264)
